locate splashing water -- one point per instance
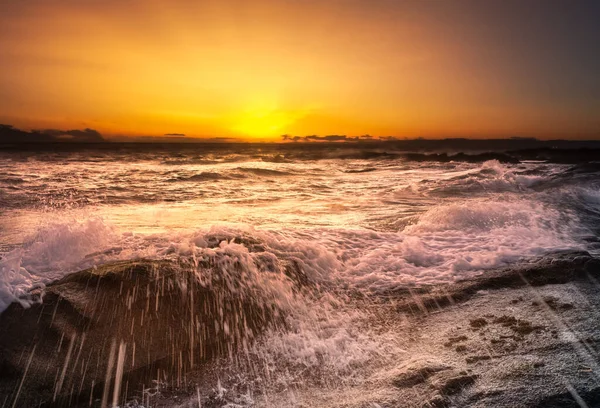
(318, 238)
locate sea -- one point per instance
(359, 220)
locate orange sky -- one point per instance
(263, 68)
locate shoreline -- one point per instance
(523, 336)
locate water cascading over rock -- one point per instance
(102, 333)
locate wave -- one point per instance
(373, 153)
(461, 157)
(587, 158)
(297, 294)
(263, 172)
(493, 177)
(12, 180)
(365, 170)
(459, 240)
(275, 158)
(293, 301)
(183, 161)
(442, 244)
(204, 176)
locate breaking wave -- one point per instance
(445, 243)
(291, 256)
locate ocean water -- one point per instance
(355, 221)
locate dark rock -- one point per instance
(417, 374)
(474, 359)
(478, 323)
(521, 327)
(556, 268)
(452, 385)
(438, 401)
(453, 340)
(555, 304)
(506, 321)
(158, 319)
(566, 400)
(592, 267)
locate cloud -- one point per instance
(74, 135)
(328, 138)
(171, 138)
(9, 134)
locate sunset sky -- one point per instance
(259, 69)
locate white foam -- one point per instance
(447, 242)
(327, 337)
(456, 240)
(491, 177)
(54, 251)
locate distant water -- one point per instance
(365, 219)
(358, 220)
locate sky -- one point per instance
(259, 69)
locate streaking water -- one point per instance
(353, 222)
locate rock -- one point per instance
(591, 398)
(146, 319)
(452, 384)
(453, 340)
(438, 401)
(418, 373)
(478, 323)
(552, 269)
(474, 359)
(521, 327)
(592, 267)
(555, 304)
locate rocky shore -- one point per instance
(528, 336)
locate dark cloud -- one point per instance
(171, 138)
(75, 135)
(328, 138)
(9, 134)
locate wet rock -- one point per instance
(478, 323)
(417, 373)
(591, 398)
(474, 359)
(453, 340)
(452, 383)
(552, 269)
(129, 323)
(438, 401)
(521, 327)
(592, 267)
(555, 304)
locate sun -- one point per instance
(262, 120)
(261, 124)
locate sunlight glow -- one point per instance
(234, 70)
(262, 120)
